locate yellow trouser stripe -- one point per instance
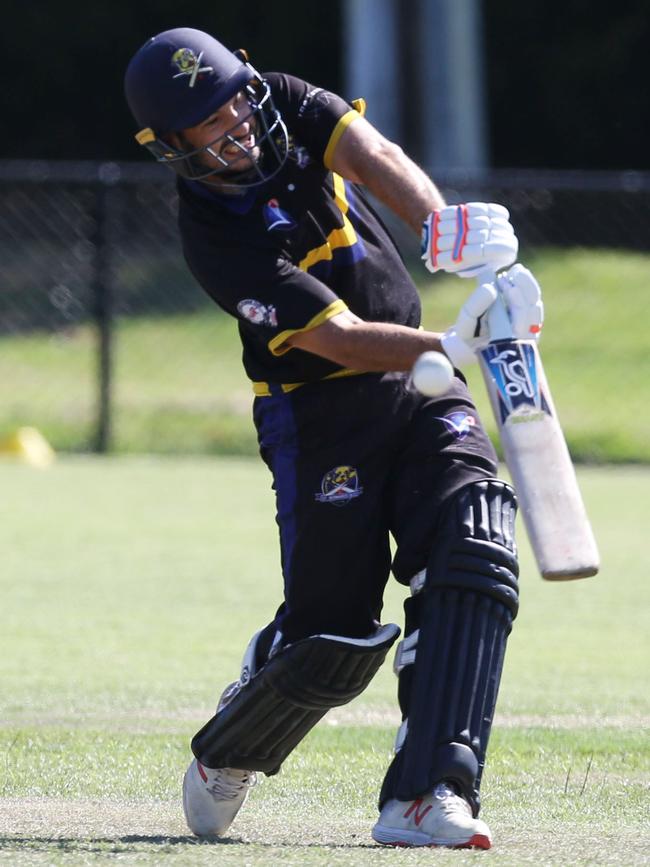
(262, 389)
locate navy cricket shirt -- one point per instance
(291, 253)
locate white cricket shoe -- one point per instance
(212, 798)
(441, 819)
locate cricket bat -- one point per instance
(536, 453)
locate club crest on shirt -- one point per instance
(258, 313)
(459, 424)
(339, 486)
(276, 218)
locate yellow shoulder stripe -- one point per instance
(337, 132)
(343, 237)
(276, 345)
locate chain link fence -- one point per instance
(107, 343)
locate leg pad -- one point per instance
(269, 715)
(463, 615)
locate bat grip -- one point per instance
(499, 324)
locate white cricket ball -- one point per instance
(432, 373)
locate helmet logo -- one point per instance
(189, 64)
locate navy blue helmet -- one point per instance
(181, 77)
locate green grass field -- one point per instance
(179, 386)
(129, 589)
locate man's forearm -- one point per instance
(364, 156)
(402, 186)
(369, 346)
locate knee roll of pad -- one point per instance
(268, 716)
(463, 614)
(478, 550)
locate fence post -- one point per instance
(103, 316)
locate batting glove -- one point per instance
(470, 332)
(464, 239)
(523, 297)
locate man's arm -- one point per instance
(368, 346)
(380, 346)
(363, 156)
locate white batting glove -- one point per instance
(464, 239)
(469, 333)
(523, 297)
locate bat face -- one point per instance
(514, 372)
(538, 459)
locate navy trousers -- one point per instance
(354, 461)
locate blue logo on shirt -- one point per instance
(276, 218)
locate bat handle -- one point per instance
(499, 324)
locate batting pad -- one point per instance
(273, 712)
(463, 616)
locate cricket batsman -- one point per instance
(276, 228)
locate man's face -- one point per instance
(234, 153)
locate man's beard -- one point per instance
(241, 172)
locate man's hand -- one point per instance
(469, 333)
(464, 239)
(522, 297)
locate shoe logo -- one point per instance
(415, 808)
